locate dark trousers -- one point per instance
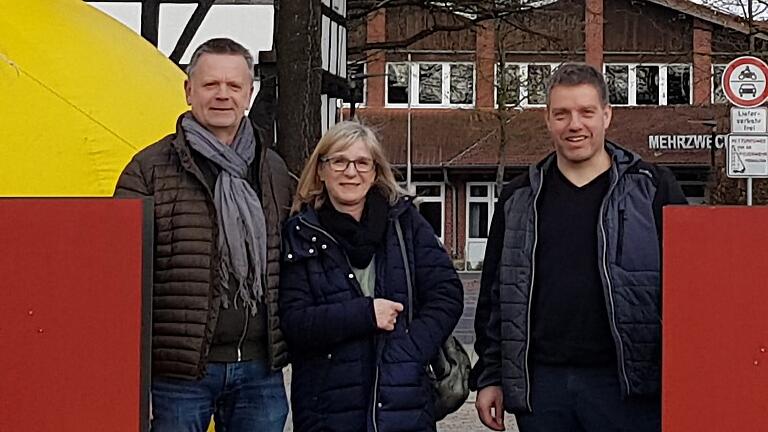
(577, 399)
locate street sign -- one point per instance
(749, 120)
(747, 156)
(744, 82)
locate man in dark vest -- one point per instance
(569, 314)
(220, 197)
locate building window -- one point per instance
(678, 85)
(398, 77)
(647, 85)
(478, 220)
(462, 84)
(431, 83)
(481, 198)
(509, 87)
(693, 181)
(718, 96)
(643, 84)
(356, 75)
(617, 79)
(430, 200)
(538, 76)
(524, 84)
(434, 84)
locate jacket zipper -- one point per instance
(375, 398)
(360, 291)
(612, 311)
(530, 291)
(195, 171)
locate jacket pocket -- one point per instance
(620, 239)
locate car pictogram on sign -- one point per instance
(747, 89)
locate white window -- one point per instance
(430, 84)
(648, 84)
(524, 84)
(431, 200)
(398, 78)
(509, 88)
(718, 96)
(481, 198)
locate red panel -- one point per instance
(70, 315)
(715, 319)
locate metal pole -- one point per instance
(749, 191)
(751, 23)
(408, 167)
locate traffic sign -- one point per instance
(749, 120)
(747, 156)
(744, 82)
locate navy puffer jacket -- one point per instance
(347, 374)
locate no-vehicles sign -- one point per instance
(744, 82)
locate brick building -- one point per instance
(434, 103)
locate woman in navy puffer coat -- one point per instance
(358, 365)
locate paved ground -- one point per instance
(464, 420)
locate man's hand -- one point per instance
(386, 313)
(490, 407)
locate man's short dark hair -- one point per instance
(220, 46)
(573, 74)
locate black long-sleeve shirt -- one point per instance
(570, 316)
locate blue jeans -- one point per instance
(241, 397)
(573, 399)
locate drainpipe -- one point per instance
(408, 162)
(454, 213)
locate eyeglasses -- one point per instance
(340, 164)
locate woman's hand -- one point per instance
(386, 313)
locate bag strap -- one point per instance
(404, 253)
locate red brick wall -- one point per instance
(593, 33)
(377, 32)
(485, 64)
(702, 62)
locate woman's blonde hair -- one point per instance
(311, 190)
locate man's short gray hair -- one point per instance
(573, 74)
(220, 46)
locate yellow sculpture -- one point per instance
(80, 94)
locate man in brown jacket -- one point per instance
(220, 198)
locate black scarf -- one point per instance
(358, 239)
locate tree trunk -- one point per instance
(298, 43)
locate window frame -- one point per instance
(663, 83)
(522, 80)
(490, 199)
(440, 199)
(386, 85)
(414, 90)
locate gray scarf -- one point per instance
(242, 228)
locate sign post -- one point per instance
(745, 84)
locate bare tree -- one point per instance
(300, 77)
(466, 14)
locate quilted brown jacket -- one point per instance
(186, 291)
